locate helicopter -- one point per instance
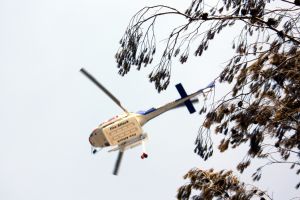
(125, 131)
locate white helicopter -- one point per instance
(125, 131)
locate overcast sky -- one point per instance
(48, 109)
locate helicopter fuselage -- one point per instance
(117, 131)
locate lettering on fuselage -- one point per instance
(118, 125)
(126, 138)
(122, 131)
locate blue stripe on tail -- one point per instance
(146, 112)
(183, 94)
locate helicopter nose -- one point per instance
(91, 139)
(97, 138)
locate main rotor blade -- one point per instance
(89, 76)
(118, 162)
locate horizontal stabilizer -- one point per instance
(183, 94)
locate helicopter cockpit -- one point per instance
(97, 139)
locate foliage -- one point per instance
(138, 47)
(208, 185)
(263, 107)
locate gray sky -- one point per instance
(48, 109)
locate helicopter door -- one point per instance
(122, 130)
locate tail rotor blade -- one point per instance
(118, 162)
(108, 93)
